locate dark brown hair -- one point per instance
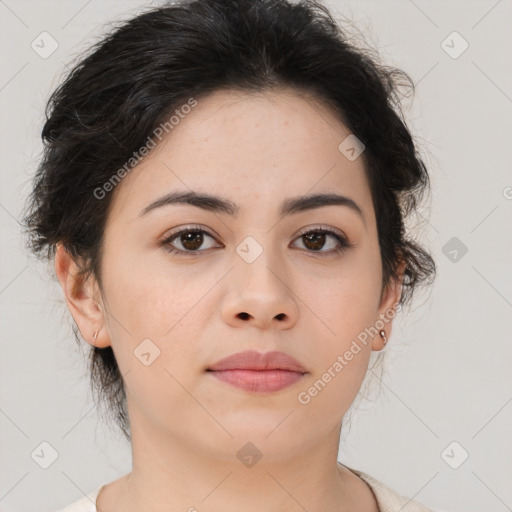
(132, 79)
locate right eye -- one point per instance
(190, 239)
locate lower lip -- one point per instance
(259, 381)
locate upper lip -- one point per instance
(253, 360)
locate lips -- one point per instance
(252, 360)
(257, 372)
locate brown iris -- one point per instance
(317, 239)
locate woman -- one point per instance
(223, 191)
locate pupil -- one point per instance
(189, 239)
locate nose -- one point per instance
(259, 296)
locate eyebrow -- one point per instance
(220, 205)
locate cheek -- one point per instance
(148, 300)
(155, 393)
(345, 308)
(346, 304)
(155, 324)
(151, 308)
(340, 359)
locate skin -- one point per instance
(187, 426)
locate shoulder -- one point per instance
(387, 499)
(85, 504)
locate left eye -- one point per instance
(313, 240)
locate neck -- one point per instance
(171, 474)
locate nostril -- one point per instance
(244, 316)
(280, 316)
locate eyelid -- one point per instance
(321, 227)
(188, 227)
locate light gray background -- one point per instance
(448, 374)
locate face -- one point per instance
(184, 286)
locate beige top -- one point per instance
(388, 500)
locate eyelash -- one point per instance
(344, 243)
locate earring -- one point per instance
(95, 335)
(383, 335)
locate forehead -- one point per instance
(249, 146)
(284, 117)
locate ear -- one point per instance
(83, 298)
(388, 306)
